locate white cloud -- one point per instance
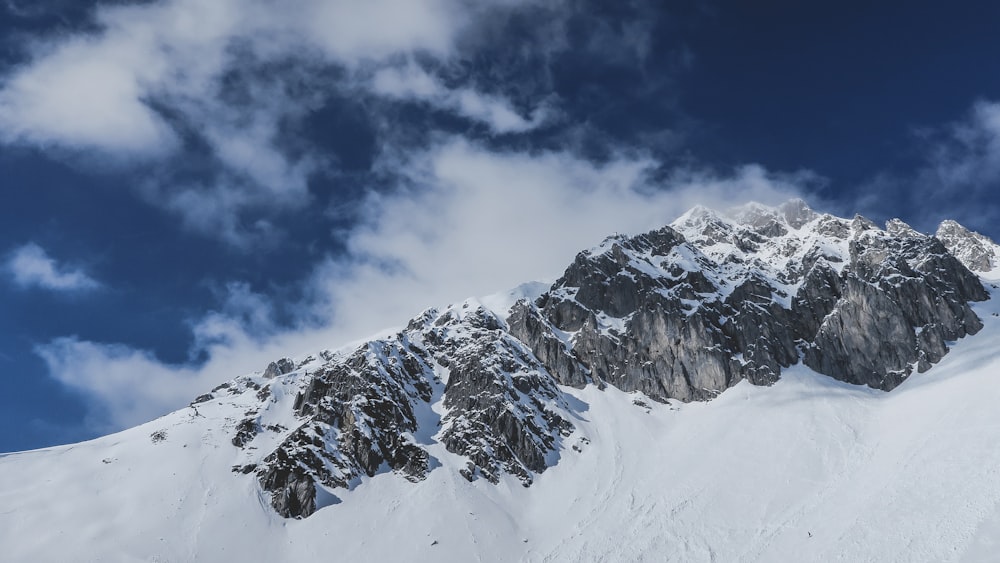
(153, 73)
(31, 266)
(93, 90)
(467, 221)
(352, 30)
(96, 88)
(125, 386)
(412, 83)
(79, 99)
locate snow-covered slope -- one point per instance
(806, 469)
(809, 469)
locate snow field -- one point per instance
(809, 469)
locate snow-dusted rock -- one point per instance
(457, 377)
(687, 311)
(976, 251)
(682, 312)
(502, 406)
(903, 297)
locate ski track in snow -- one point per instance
(809, 469)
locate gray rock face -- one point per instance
(370, 411)
(687, 311)
(977, 252)
(499, 398)
(905, 293)
(279, 367)
(683, 312)
(608, 320)
(356, 415)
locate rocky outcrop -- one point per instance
(906, 294)
(358, 416)
(641, 314)
(977, 252)
(279, 367)
(687, 311)
(502, 404)
(368, 411)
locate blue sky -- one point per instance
(193, 189)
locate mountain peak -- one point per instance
(978, 252)
(681, 313)
(797, 212)
(764, 219)
(794, 213)
(755, 214)
(898, 227)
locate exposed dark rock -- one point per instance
(895, 286)
(293, 490)
(246, 430)
(977, 252)
(797, 213)
(280, 367)
(646, 313)
(499, 398)
(359, 411)
(527, 323)
(816, 298)
(670, 341)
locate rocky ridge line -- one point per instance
(683, 312)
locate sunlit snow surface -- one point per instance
(807, 470)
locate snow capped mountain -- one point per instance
(977, 252)
(717, 389)
(691, 309)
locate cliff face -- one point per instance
(455, 377)
(977, 252)
(683, 312)
(689, 310)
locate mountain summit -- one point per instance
(499, 391)
(684, 312)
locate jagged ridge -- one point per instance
(360, 412)
(683, 312)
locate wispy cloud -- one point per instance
(410, 82)
(124, 386)
(30, 266)
(964, 159)
(957, 176)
